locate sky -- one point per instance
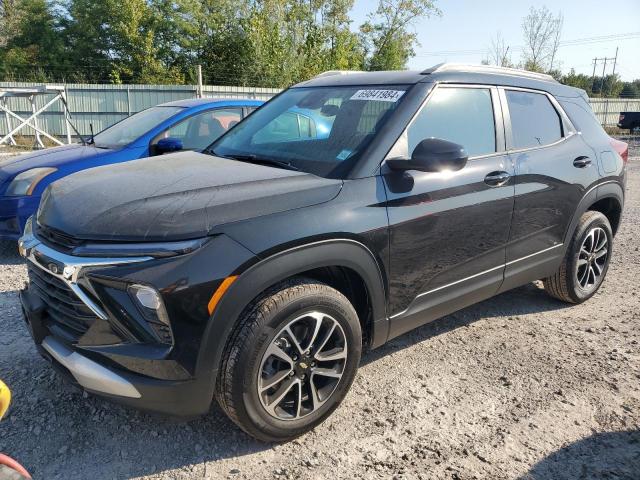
(467, 27)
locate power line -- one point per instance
(565, 43)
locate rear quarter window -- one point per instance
(582, 117)
(534, 120)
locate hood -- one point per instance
(50, 157)
(173, 197)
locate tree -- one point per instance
(32, 40)
(609, 86)
(9, 20)
(238, 42)
(292, 40)
(387, 40)
(499, 52)
(344, 49)
(558, 23)
(578, 80)
(115, 41)
(631, 89)
(541, 31)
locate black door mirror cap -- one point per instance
(432, 155)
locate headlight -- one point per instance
(25, 182)
(27, 237)
(28, 227)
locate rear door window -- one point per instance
(534, 120)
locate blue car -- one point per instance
(182, 125)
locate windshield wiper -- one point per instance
(261, 161)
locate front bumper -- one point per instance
(14, 212)
(186, 398)
(83, 319)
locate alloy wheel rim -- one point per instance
(302, 366)
(592, 259)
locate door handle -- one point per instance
(582, 162)
(495, 179)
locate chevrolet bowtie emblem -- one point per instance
(68, 272)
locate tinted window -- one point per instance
(198, 131)
(288, 127)
(319, 130)
(460, 115)
(131, 128)
(583, 118)
(534, 121)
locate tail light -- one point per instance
(621, 147)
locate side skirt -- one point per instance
(434, 304)
(442, 301)
(533, 267)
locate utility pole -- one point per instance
(504, 57)
(604, 67)
(604, 60)
(615, 60)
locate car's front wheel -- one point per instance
(290, 361)
(586, 261)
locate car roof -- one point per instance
(196, 102)
(447, 73)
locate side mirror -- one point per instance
(168, 145)
(329, 110)
(432, 155)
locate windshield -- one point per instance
(131, 128)
(319, 130)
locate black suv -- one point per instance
(257, 274)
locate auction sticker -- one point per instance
(380, 95)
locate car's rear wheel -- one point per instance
(290, 361)
(586, 261)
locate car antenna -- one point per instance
(84, 140)
(91, 130)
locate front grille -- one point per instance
(64, 309)
(56, 239)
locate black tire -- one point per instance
(263, 320)
(564, 284)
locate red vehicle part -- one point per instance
(12, 464)
(621, 147)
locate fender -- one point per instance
(607, 189)
(257, 278)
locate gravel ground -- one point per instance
(519, 386)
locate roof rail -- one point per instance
(461, 67)
(330, 73)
